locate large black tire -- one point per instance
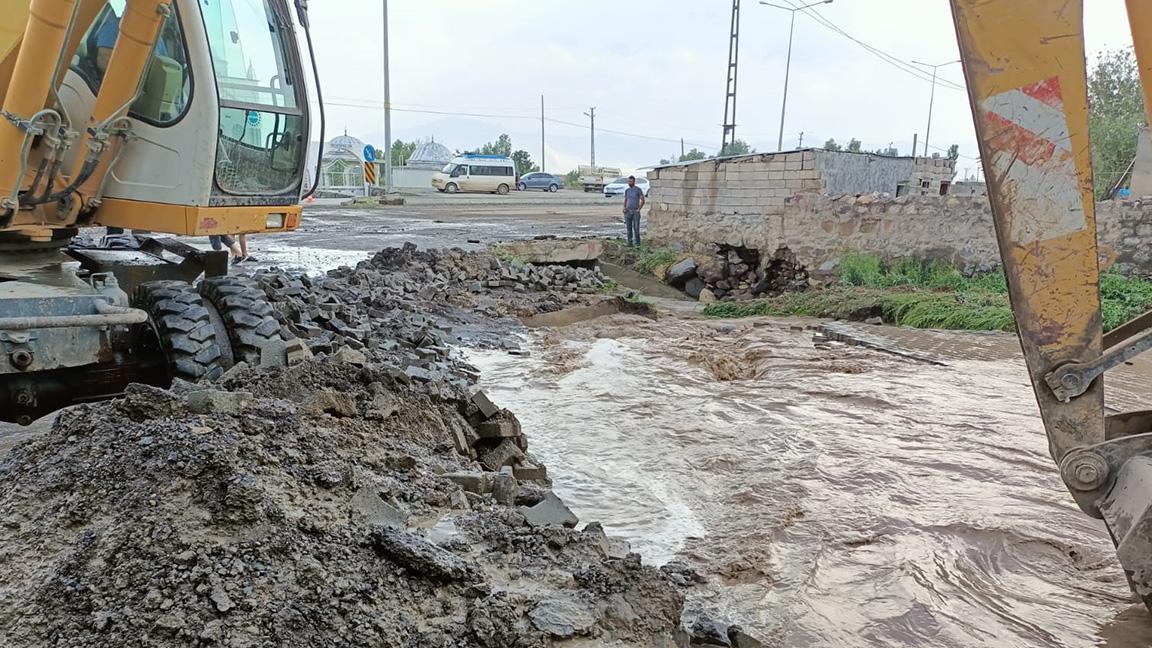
(183, 327)
(253, 331)
(502, 190)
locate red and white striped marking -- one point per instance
(1032, 154)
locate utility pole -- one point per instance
(387, 112)
(592, 115)
(681, 148)
(801, 144)
(915, 143)
(931, 100)
(788, 61)
(730, 91)
(542, 163)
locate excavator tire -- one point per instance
(184, 328)
(253, 332)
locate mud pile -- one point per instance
(320, 505)
(424, 299)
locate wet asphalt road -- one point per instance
(332, 235)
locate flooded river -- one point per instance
(832, 497)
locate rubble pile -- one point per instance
(421, 300)
(736, 273)
(325, 504)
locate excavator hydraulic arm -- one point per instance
(1025, 66)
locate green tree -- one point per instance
(737, 147)
(572, 179)
(401, 151)
(831, 145)
(524, 163)
(693, 154)
(1115, 116)
(502, 146)
(853, 146)
(954, 152)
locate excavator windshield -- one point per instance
(263, 133)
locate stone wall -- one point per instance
(818, 230)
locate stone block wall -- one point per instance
(818, 230)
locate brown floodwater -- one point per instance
(832, 496)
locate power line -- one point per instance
(369, 104)
(898, 63)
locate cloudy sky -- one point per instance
(464, 71)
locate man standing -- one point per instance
(633, 203)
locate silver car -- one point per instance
(617, 186)
(541, 181)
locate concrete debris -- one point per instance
(551, 511)
(417, 554)
(563, 618)
(505, 425)
(215, 401)
(370, 509)
(505, 453)
(482, 402)
(273, 507)
(504, 487)
(472, 481)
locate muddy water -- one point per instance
(838, 497)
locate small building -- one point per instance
(428, 158)
(342, 168)
(776, 176)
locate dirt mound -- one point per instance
(322, 507)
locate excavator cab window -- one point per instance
(260, 146)
(167, 85)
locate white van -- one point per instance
(475, 172)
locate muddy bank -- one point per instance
(367, 496)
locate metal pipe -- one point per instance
(107, 315)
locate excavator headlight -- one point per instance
(274, 221)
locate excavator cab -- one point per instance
(186, 117)
(1025, 65)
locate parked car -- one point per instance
(617, 186)
(541, 181)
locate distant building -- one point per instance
(429, 155)
(776, 176)
(342, 168)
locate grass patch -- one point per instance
(506, 255)
(927, 295)
(645, 259)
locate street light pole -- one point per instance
(788, 61)
(931, 100)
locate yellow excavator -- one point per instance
(1025, 66)
(186, 117)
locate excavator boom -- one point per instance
(1025, 66)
